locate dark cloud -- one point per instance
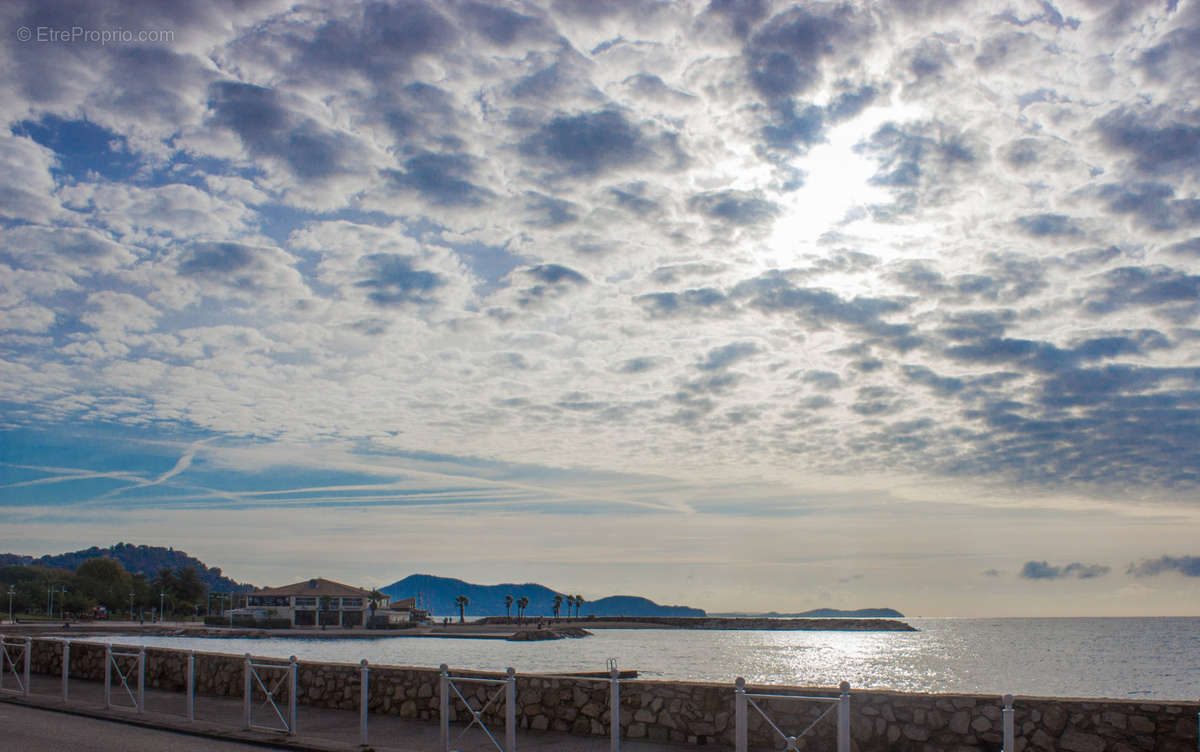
(1186, 248)
(550, 211)
(1041, 570)
(875, 400)
(500, 25)
(638, 365)
(1188, 566)
(943, 385)
(706, 300)
(774, 292)
(1049, 15)
(919, 161)
(1043, 225)
(382, 40)
(1046, 357)
(669, 274)
(1152, 204)
(393, 280)
(734, 207)
(268, 128)
(741, 14)
(1142, 286)
(1158, 143)
(784, 55)
(553, 280)
(216, 259)
(632, 198)
(588, 143)
(795, 126)
(1023, 152)
(440, 179)
(824, 380)
(722, 357)
(553, 274)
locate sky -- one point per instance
(742, 305)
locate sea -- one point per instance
(1131, 658)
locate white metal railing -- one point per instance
(113, 659)
(16, 654)
(10, 649)
(508, 688)
(1008, 723)
(743, 700)
(286, 673)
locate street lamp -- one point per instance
(162, 611)
(131, 606)
(62, 603)
(11, 593)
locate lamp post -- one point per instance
(162, 611)
(11, 593)
(131, 606)
(62, 603)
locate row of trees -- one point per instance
(575, 601)
(61, 593)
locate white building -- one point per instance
(316, 602)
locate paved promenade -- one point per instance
(219, 719)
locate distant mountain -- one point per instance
(826, 613)
(147, 560)
(438, 595)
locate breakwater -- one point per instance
(693, 712)
(730, 622)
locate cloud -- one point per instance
(391, 280)
(734, 207)
(1041, 570)
(1188, 566)
(1159, 143)
(722, 357)
(589, 143)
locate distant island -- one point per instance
(439, 595)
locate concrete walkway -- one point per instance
(318, 729)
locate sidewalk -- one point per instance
(318, 729)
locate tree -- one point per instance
(522, 604)
(462, 602)
(558, 601)
(578, 603)
(508, 601)
(570, 603)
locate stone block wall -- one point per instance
(694, 712)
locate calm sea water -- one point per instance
(1122, 658)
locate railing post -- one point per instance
(739, 715)
(191, 686)
(107, 676)
(510, 711)
(843, 714)
(246, 692)
(294, 685)
(614, 709)
(141, 700)
(28, 656)
(1009, 724)
(66, 669)
(444, 684)
(363, 697)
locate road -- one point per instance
(25, 729)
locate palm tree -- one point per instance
(522, 604)
(508, 601)
(578, 603)
(570, 603)
(462, 602)
(558, 600)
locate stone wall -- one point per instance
(696, 713)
